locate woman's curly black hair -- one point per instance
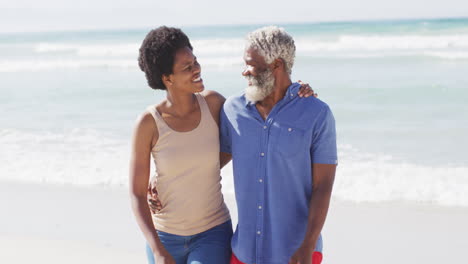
(157, 53)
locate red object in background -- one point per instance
(316, 258)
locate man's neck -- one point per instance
(265, 106)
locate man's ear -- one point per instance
(278, 64)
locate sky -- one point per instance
(56, 15)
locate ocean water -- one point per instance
(398, 90)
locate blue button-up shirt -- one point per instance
(272, 161)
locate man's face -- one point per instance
(259, 76)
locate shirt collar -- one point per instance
(291, 93)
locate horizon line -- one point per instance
(116, 29)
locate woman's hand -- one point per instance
(306, 90)
(163, 257)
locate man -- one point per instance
(284, 157)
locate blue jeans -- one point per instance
(210, 247)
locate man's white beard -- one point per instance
(260, 87)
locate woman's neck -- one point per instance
(180, 104)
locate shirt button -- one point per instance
(260, 180)
(289, 129)
(262, 154)
(258, 232)
(260, 207)
(292, 95)
(264, 127)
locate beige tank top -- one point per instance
(188, 177)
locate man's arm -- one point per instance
(324, 176)
(324, 159)
(322, 185)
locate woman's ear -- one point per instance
(167, 80)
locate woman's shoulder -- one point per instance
(145, 119)
(213, 98)
(145, 123)
(215, 101)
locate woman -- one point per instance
(181, 133)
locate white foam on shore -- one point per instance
(87, 157)
(77, 157)
(369, 177)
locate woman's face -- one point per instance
(186, 73)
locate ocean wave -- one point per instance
(363, 177)
(90, 157)
(132, 64)
(201, 47)
(383, 43)
(90, 50)
(40, 65)
(225, 52)
(217, 46)
(78, 156)
(235, 46)
(207, 62)
(448, 55)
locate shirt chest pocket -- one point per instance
(288, 141)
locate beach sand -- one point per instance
(43, 223)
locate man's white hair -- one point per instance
(273, 43)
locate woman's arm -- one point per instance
(144, 137)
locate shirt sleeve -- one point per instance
(225, 140)
(323, 149)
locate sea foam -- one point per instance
(89, 157)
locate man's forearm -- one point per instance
(318, 209)
(324, 176)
